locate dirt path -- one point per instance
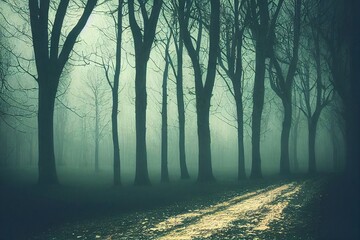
(206, 222)
(241, 216)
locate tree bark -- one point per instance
(295, 142)
(312, 125)
(47, 166)
(258, 104)
(204, 140)
(143, 41)
(283, 87)
(164, 123)
(141, 173)
(181, 111)
(115, 138)
(240, 131)
(262, 40)
(203, 89)
(49, 65)
(233, 40)
(285, 136)
(115, 98)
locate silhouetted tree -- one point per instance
(282, 83)
(50, 58)
(164, 116)
(295, 132)
(230, 60)
(203, 89)
(261, 25)
(317, 93)
(143, 40)
(115, 95)
(315, 97)
(178, 72)
(112, 72)
(97, 102)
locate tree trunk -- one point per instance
(295, 141)
(240, 132)
(115, 97)
(115, 137)
(164, 120)
(141, 173)
(143, 40)
(258, 104)
(204, 140)
(204, 93)
(285, 135)
(312, 125)
(181, 112)
(47, 168)
(203, 89)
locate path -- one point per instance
(244, 216)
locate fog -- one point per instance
(188, 119)
(75, 114)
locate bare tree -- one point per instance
(50, 61)
(315, 97)
(112, 71)
(282, 83)
(234, 17)
(261, 25)
(143, 40)
(295, 132)
(164, 115)
(203, 89)
(115, 95)
(97, 97)
(173, 25)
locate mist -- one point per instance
(244, 95)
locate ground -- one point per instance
(262, 209)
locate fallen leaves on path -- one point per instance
(221, 216)
(255, 214)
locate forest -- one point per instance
(179, 119)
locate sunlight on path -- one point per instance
(181, 218)
(206, 222)
(275, 211)
(243, 216)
